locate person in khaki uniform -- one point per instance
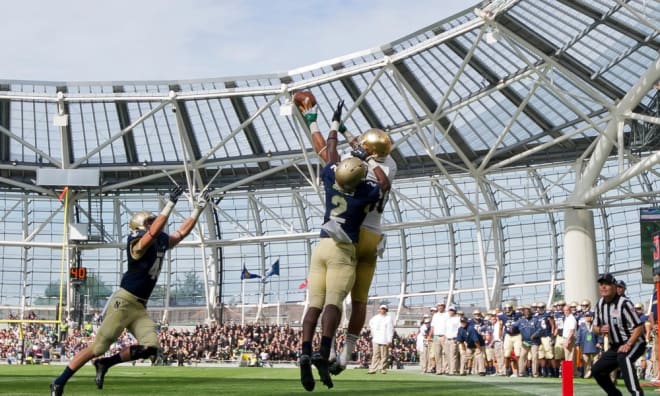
(382, 331)
(437, 339)
(126, 309)
(452, 355)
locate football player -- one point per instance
(126, 309)
(376, 144)
(332, 267)
(512, 338)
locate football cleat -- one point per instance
(335, 367)
(321, 365)
(306, 377)
(56, 390)
(101, 369)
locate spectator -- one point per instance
(589, 343)
(382, 329)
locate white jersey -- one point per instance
(372, 221)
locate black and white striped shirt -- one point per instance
(620, 315)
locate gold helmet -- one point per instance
(586, 302)
(376, 142)
(639, 306)
(139, 219)
(349, 173)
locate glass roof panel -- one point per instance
(157, 138)
(93, 124)
(32, 122)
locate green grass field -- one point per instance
(201, 381)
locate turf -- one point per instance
(198, 381)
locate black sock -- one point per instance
(64, 377)
(326, 344)
(307, 348)
(112, 360)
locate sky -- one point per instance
(122, 40)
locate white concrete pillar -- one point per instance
(580, 262)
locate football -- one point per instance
(304, 100)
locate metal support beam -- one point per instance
(5, 121)
(568, 62)
(250, 132)
(189, 131)
(605, 143)
(65, 130)
(367, 111)
(427, 101)
(489, 75)
(124, 122)
(585, 8)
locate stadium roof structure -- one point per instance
(508, 109)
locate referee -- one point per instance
(616, 319)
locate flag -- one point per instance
(273, 270)
(63, 193)
(303, 284)
(245, 274)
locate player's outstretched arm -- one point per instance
(200, 203)
(158, 224)
(327, 149)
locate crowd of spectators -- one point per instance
(203, 343)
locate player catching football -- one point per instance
(126, 309)
(332, 265)
(376, 144)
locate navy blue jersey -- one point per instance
(469, 335)
(508, 321)
(142, 275)
(543, 319)
(529, 329)
(349, 210)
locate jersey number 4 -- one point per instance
(154, 271)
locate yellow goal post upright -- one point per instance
(23, 321)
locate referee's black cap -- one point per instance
(607, 278)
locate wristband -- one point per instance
(334, 126)
(195, 213)
(167, 209)
(310, 117)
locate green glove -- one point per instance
(310, 115)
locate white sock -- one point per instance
(347, 351)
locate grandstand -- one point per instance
(524, 131)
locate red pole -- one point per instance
(567, 378)
(655, 322)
